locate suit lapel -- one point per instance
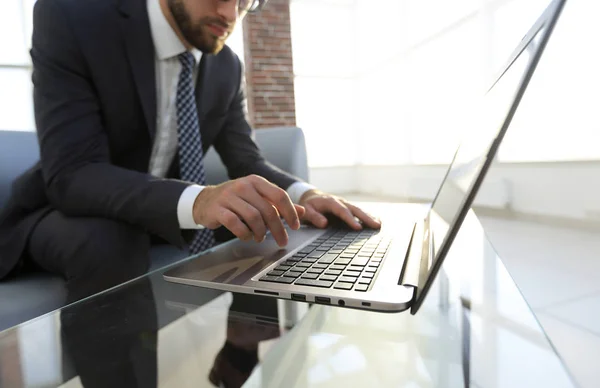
(204, 87)
(140, 54)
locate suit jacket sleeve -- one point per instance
(75, 156)
(235, 144)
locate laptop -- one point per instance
(387, 270)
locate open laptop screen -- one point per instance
(486, 123)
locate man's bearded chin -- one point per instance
(200, 38)
(196, 34)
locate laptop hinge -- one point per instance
(415, 264)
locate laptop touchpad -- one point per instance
(237, 262)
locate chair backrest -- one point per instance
(285, 147)
(19, 151)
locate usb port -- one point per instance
(322, 299)
(299, 297)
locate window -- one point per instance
(16, 106)
(406, 73)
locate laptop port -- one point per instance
(367, 304)
(322, 299)
(341, 302)
(266, 292)
(299, 297)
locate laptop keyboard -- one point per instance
(340, 259)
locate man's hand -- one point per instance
(247, 207)
(316, 203)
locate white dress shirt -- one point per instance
(167, 47)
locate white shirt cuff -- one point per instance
(297, 189)
(185, 207)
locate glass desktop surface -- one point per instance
(474, 329)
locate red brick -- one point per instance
(269, 66)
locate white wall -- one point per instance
(568, 190)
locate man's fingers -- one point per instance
(315, 218)
(269, 214)
(367, 219)
(280, 199)
(231, 221)
(339, 209)
(251, 216)
(300, 210)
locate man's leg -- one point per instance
(110, 339)
(92, 254)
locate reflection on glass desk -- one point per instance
(474, 330)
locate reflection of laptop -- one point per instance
(370, 269)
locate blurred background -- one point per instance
(381, 87)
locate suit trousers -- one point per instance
(91, 254)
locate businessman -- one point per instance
(128, 96)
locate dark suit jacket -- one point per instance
(95, 110)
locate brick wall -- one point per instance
(269, 69)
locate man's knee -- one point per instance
(104, 250)
(112, 249)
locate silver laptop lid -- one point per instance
(489, 123)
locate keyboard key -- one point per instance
(354, 269)
(336, 251)
(293, 274)
(375, 260)
(316, 254)
(324, 249)
(368, 275)
(343, 261)
(295, 259)
(315, 270)
(365, 280)
(329, 278)
(314, 283)
(310, 276)
(269, 278)
(343, 286)
(374, 265)
(370, 270)
(360, 261)
(302, 265)
(327, 259)
(346, 255)
(320, 266)
(337, 266)
(352, 274)
(291, 262)
(309, 260)
(283, 267)
(347, 279)
(284, 280)
(305, 251)
(276, 273)
(361, 287)
(334, 272)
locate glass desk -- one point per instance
(474, 330)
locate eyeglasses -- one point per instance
(250, 6)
